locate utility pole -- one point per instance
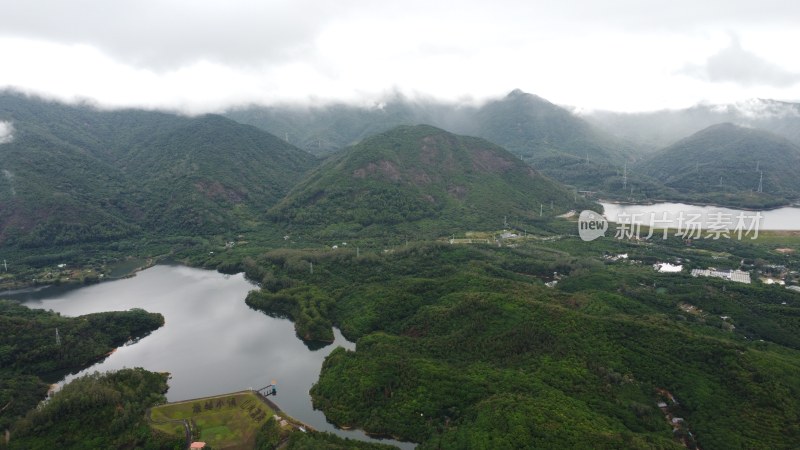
(505, 222)
(761, 182)
(5, 266)
(540, 210)
(311, 266)
(58, 338)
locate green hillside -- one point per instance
(30, 356)
(53, 192)
(463, 346)
(421, 178)
(725, 163)
(197, 175)
(75, 174)
(98, 411)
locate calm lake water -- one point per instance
(212, 342)
(787, 218)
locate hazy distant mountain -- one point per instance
(655, 130)
(424, 176)
(551, 138)
(322, 130)
(75, 173)
(533, 128)
(728, 160)
(555, 141)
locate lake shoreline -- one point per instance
(200, 307)
(32, 285)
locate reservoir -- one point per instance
(787, 218)
(211, 343)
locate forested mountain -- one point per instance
(322, 130)
(551, 138)
(727, 159)
(77, 174)
(198, 173)
(554, 141)
(658, 129)
(534, 128)
(424, 175)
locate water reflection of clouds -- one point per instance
(212, 342)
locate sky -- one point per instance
(206, 56)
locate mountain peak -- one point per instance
(519, 94)
(412, 174)
(728, 159)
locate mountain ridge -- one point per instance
(729, 159)
(75, 173)
(657, 129)
(424, 175)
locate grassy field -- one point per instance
(225, 422)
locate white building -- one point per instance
(738, 276)
(667, 268)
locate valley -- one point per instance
(440, 244)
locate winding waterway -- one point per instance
(211, 343)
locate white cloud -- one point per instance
(6, 132)
(737, 65)
(204, 56)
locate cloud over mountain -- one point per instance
(738, 65)
(6, 132)
(208, 55)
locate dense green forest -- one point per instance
(87, 187)
(31, 356)
(98, 411)
(420, 180)
(464, 346)
(78, 175)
